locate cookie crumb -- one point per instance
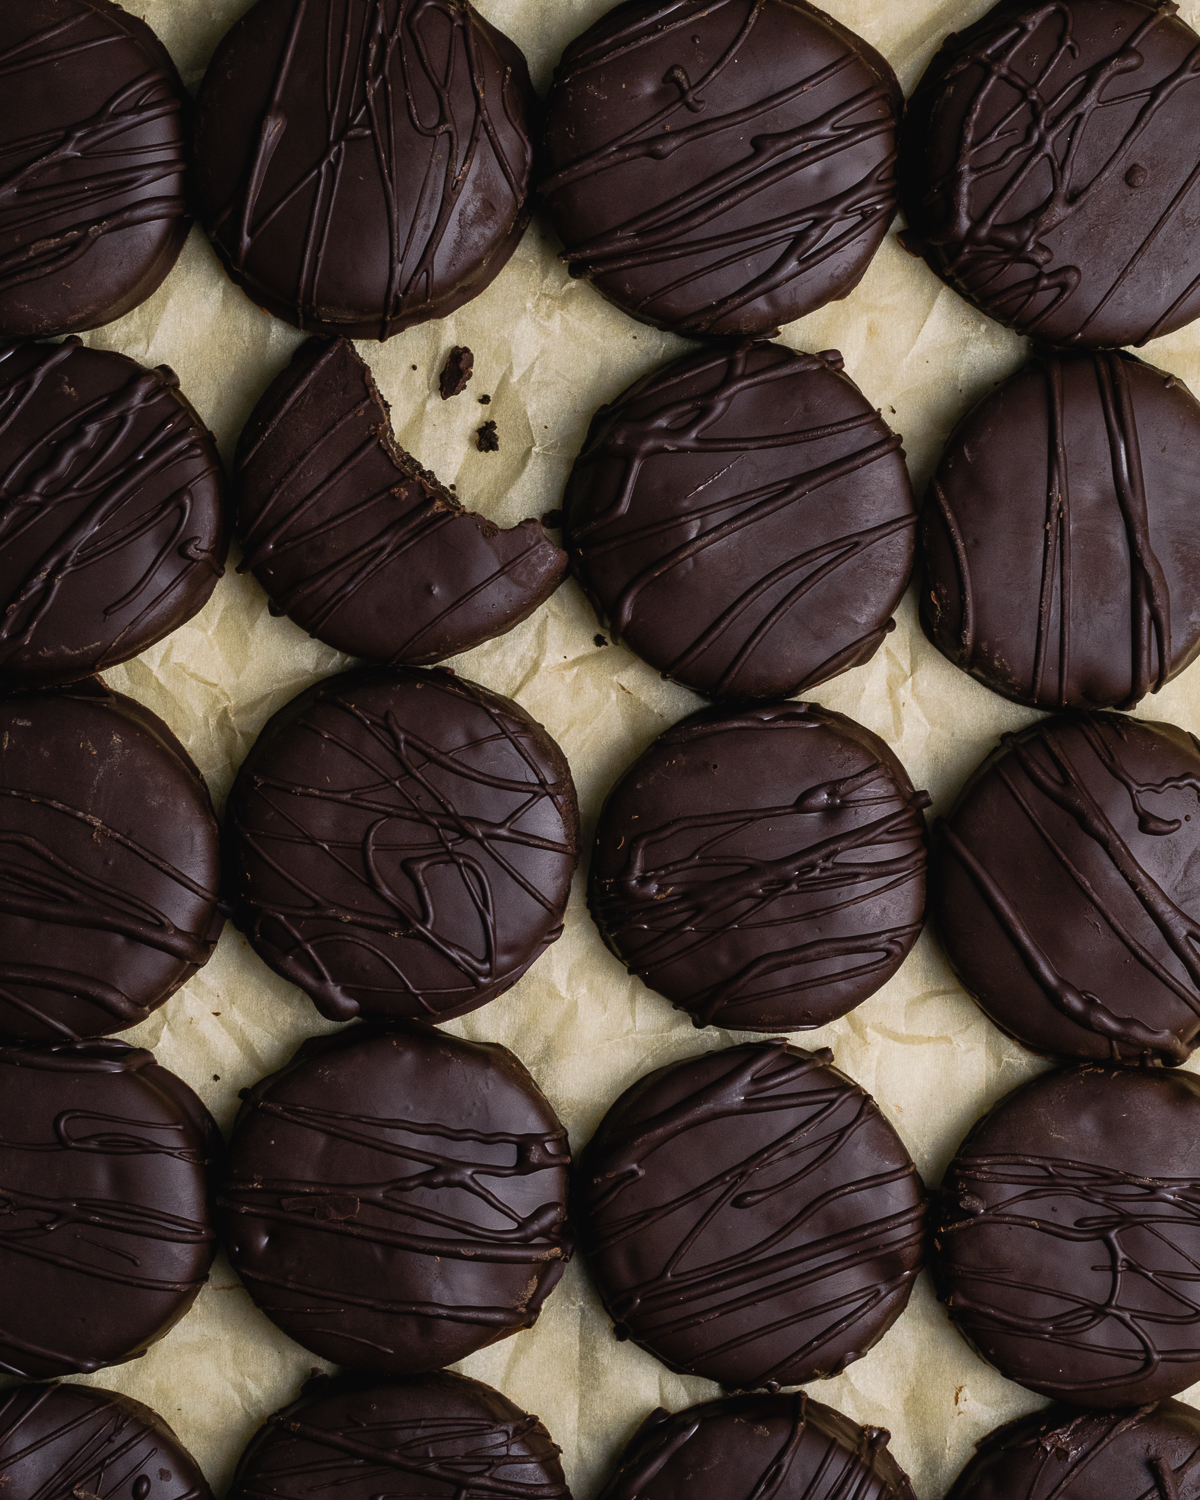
(600, 640)
(485, 401)
(486, 439)
(458, 369)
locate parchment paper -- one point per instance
(548, 351)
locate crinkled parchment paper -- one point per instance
(548, 351)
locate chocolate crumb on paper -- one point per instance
(486, 439)
(456, 372)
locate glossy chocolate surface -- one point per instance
(396, 1197)
(785, 1447)
(751, 1217)
(1050, 169)
(356, 542)
(743, 520)
(112, 531)
(1068, 1235)
(721, 168)
(92, 212)
(439, 1437)
(1066, 888)
(58, 1442)
(105, 1238)
(109, 865)
(763, 869)
(1150, 1453)
(401, 843)
(1061, 557)
(361, 168)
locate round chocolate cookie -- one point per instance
(1152, 1453)
(751, 1217)
(440, 1437)
(721, 168)
(1066, 888)
(92, 213)
(1050, 166)
(764, 869)
(58, 1442)
(401, 843)
(785, 1447)
(111, 525)
(362, 168)
(1062, 561)
(105, 1238)
(1069, 1234)
(396, 1197)
(743, 520)
(356, 542)
(109, 864)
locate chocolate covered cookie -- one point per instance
(763, 869)
(750, 1216)
(60, 1441)
(1062, 562)
(788, 1447)
(743, 520)
(1066, 887)
(355, 541)
(112, 531)
(1069, 1231)
(401, 843)
(361, 168)
(396, 1197)
(92, 212)
(109, 864)
(105, 1238)
(721, 169)
(440, 1437)
(1051, 161)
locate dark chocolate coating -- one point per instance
(782, 1447)
(763, 869)
(1061, 557)
(105, 1237)
(112, 531)
(401, 842)
(92, 212)
(364, 167)
(109, 864)
(1050, 164)
(1066, 888)
(396, 1197)
(743, 520)
(1151, 1453)
(439, 1437)
(60, 1441)
(1069, 1232)
(750, 1216)
(356, 542)
(721, 168)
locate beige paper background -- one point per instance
(549, 351)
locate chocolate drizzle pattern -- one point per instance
(743, 519)
(111, 530)
(721, 168)
(1051, 165)
(763, 870)
(92, 214)
(1077, 589)
(766, 1447)
(58, 1441)
(398, 1242)
(442, 1437)
(1068, 1243)
(402, 843)
(362, 168)
(103, 1203)
(1089, 820)
(356, 542)
(749, 1216)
